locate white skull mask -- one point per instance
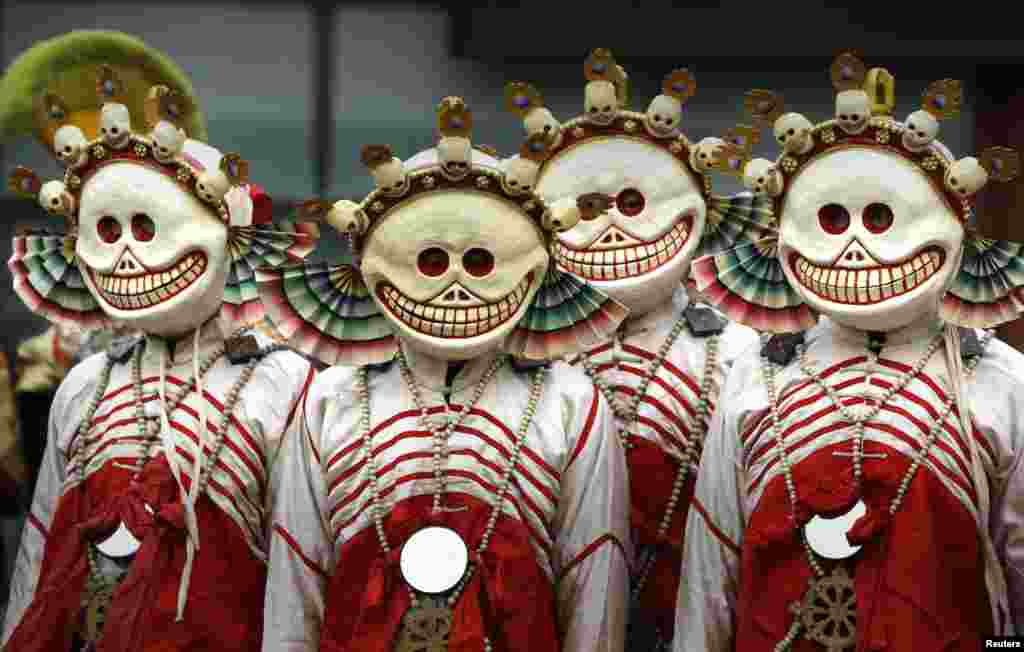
(853, 108)
(600, 104)
(542, 121)
(920, 130)
(454, 272)
(455, 153)
(168, 140)
(69, 143)
(868, 240)
(761, 177)
(152, 254)
(639, 250)
(520, 175)
(115, 125)
(793, 132)
(966, 176)
(664, 115)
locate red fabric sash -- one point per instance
(652, 473)
(918, 578)
(509, 598)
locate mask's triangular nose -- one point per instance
(855, 256)
(456, 295)
(128, 265)
(614, 238)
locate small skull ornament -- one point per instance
(212, 185)
(793, 132)
(966, 176)
(390, 176)
(520, 175)
(542, 121)
(664, 115)
(70, 145)
(455, 154)
(115, 125)
(601, 104)
(761, 177)
(704, 155)
(55, 198)
(920, 130)
(347, 217)
(168, 140)
(563, 215)
(853, 108)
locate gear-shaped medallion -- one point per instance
(425, 627)
(829, 611)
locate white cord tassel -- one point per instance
(995, 581)
(167, 439)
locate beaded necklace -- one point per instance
(828, 609)
(441, 616)
(99, 587)
(630, 416)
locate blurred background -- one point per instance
(298, 87)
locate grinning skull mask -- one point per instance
(871, 230)
(451, 265)
(153, 254)
(868, 240)
(637, 244)
(643, 204)
(455, 271)
(161, 230)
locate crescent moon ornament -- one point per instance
(122, 543)
(827, 536)
(434, 560)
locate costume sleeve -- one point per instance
(287, 423)
(705, 608)
(52, 473)
(592, 545)
(301, 555)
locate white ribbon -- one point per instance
(995, 580)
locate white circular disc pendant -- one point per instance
(434, 560)
(827, 536)
(122, 543)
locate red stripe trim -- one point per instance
(588, 551)
(671, 391)
(301, 399)
(667, 365)
(423, 434)
(186, 482)
(241, 486)
(294, 545)
(412, 477)
(37, 524)
(715, 530)
(584, 436)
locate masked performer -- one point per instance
(647, 208)
(147, 529)
(448, 494)
(862, 484)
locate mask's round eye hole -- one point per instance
(877, 217)
(109, 230)
(630, 202)
(833, 218)
(478, 262)
(143, 228)
(432, 262)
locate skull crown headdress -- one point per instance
(446, 252)
(118, 115)
(861, 259)
(644, 186)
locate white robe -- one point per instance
(569, 497)
(740, 465)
